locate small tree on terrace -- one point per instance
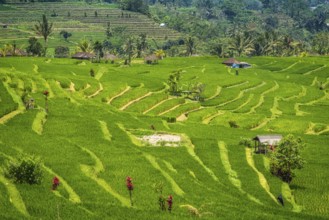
(129, 49)
(173, 82)
(286, 158)
(65, 34)
(44, 29)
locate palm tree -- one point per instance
(98, 48)
(85, 46)
(129, 49)
(141, 44)
(190, 43)
(44, 29)
(7, 49)
(242, 43)
(160, 54)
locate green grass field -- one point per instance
(89, 139)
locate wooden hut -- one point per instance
(83, 56)
(151, 59)
(263, 142)
(231, 62)
(110, 57)
(236, 64)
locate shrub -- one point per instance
(245, 142)
(62, 52)
(233, 124)
(92, 72)
(170, 119)
(25, 169)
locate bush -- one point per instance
(62, 52)
(24, 170)
(170, 119)
(246, 142)
(233, 124)
(92, 73)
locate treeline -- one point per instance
(26, 1)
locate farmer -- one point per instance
(169, 201)
(55, 183)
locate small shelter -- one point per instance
(151, 59)
(83, 56)
(236, 64)
(231, 62)
(263, 142)
(110, 57)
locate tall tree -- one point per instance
(85, 46)
(141, 44)
(44, 29)
(321, 43)
(129, 49)
(190, 43)
(286, 158)
(98, 48)
(242, 44)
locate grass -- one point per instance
(91, 143)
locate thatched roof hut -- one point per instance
(263, 141)
(83, 56)
(18, 52)
(110, 57)
(151, 59)
(230, 62)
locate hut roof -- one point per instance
(231, 61)
(110, 57)
(83, 55)
(151, 57)
(271, 139)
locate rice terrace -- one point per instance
(121, 141)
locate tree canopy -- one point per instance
(287, 157)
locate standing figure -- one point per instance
(169, 201)
(55, 183)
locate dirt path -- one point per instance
(97, 92)
(208, 119)
(232, 174)
(173, 108)
(118, 95)
(261, 178)
(312, 71)
(219, 89)
(135, 100)
(92, 173)
(156, 105)
(9, 116)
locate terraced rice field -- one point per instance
(76, 18)
(91, 138)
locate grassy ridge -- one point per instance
(87, 140)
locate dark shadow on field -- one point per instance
(296, 187)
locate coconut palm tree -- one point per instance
(160, 54)
(190, 43)
(85, 46)
(129, 49)
(44, 29)
(7, 48)
(242, 44)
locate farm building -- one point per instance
(263, 142)
(18, 52)
(83, 56)
(236, 64)
(151, 59)
(110, 57)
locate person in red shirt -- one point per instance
(55, 183)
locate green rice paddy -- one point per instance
(90, 138)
